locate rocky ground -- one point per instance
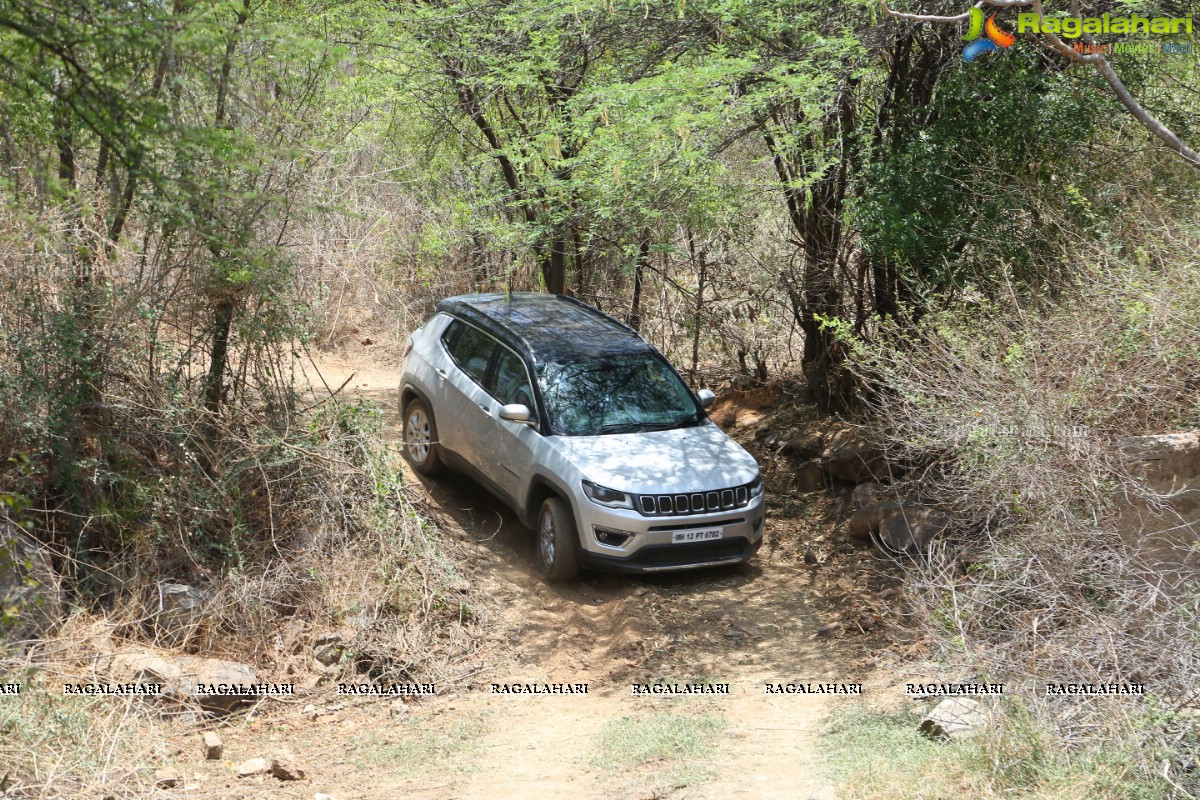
(813, 607)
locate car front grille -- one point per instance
(675, 505)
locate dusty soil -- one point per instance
(746, 626)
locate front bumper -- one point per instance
(651, 547)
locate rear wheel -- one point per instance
(557, 541)
(420, 438)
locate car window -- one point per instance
(511, 382)
(470, 348)
(618, 394)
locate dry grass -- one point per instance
(1008, 418)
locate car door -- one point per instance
(508, 450)
(462, 407)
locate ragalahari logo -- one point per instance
(997, 37)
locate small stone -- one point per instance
(830, 629)
(310, 711)
(214, 748)
(255, 766)
(285, 768)
(167, 778)
(810, 556)
(888, 594)
(954, 718)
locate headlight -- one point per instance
(606, 497)
(756, 486)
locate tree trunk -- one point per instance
(639, 267)
(214, 381)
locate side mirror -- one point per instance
(706, 397)
(516, 412)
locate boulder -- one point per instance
(806, 445)
(176, 612)
(808, 476)
(866, 519)
(910, 529)
(857, 461)
(1161, 522)
(194, 671)
(953, 718)
(864, 494)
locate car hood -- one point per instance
(679, 461)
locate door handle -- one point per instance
(441, 373)
(485, 409)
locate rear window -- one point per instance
(470, 348)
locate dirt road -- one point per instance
(746, 626)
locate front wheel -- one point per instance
(420, 439)
(558, 543)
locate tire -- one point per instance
(557, 541)
(420, 439)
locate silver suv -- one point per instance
(584, 429)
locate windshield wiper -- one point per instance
(620, 427)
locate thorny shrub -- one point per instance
(1009, 418)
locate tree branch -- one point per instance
(1097, 60)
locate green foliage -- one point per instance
(877, 754)
(975, 197)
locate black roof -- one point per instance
(552, 327)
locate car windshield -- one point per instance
(616, 394)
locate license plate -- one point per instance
(705, 535)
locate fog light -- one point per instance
(758, 526)
(610, 537)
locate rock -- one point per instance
(1160, 520)
(830, 629)
(910, 530)
(214, 748)
(810, 556)
(953, 718)
(866, 519)
(808, 476)
(868, 493)
(167, 778)
(206, 671)
(176, 612)
(888, 594)
(857, 461)
(328, 654)
(142, 667)
(254, 766)
(805, 446)
(285, 768)
(29, 583)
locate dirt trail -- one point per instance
(746, 626)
